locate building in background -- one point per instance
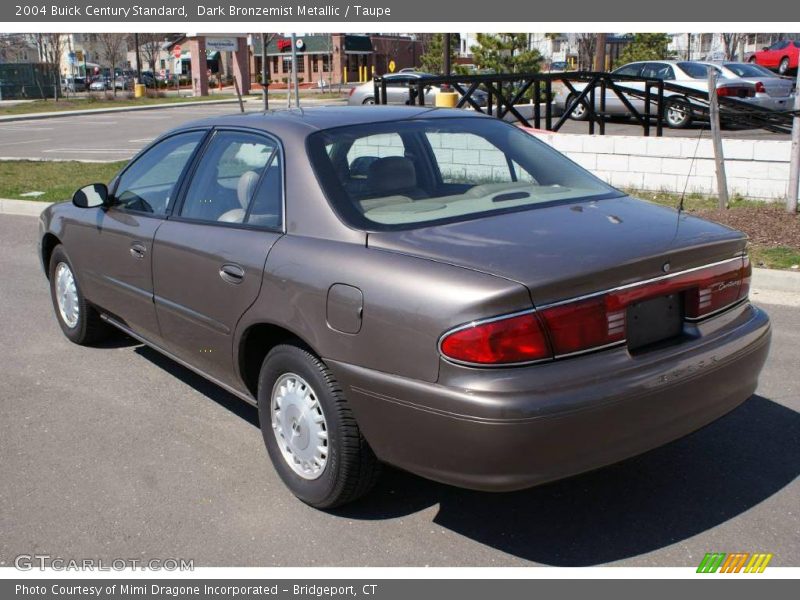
(335, 57)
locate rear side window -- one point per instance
(148, 184)
(236, 181)
(630, 70)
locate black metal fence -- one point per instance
(505, 95)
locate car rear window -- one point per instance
(412, 173)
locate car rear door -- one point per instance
(114, 251)
(209, 255)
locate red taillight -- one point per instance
(735, 92)
(595, 322)
(351, 91)
(502, 341)
(760, 89)
(578, 326)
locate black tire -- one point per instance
(580, 112)
(672, 109)
(351, 468)
(89, 328)
(783, 66)
(369, 100)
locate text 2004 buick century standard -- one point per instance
(431, 289)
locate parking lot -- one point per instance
(118, 452)
(118, 136)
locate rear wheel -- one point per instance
(78, 319)
(369, 100)
(678, 114)
(310, 432)
(783, 67)
(580, 112)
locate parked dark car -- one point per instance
(434, 289)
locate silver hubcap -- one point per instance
(578, 111)
(676, 115)
(67, 295)
(299, 426)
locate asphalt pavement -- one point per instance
(117, 452)
(116, 136)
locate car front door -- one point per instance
(115, 248)
(209, 255)
(614, 105)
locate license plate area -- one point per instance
(655, 320)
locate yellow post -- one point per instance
(446, 99)
(344, 73)
(139, 90)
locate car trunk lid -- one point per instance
(569, 250)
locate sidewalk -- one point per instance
(769, 286)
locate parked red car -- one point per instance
(780, 56)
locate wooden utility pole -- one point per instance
(600, 52)
(716, 137)
(794, 160)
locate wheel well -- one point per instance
(256, 342)
(49, 241)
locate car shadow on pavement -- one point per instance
(225, 399)
(631, 508)
(645, 503)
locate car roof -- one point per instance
(303, 121)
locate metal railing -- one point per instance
(501, 96)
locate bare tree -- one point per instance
(731, 42)
(50, 47)
(111, 47)
(150, 49)
(587, 46)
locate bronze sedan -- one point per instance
(429, 288)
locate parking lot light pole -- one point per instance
(794, 160)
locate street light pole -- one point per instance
(264, 71)
(446, 58)
(295, 83)
(138, 62)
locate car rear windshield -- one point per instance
(413, 173)
(749, 70)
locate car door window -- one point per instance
(148, 184)
(234, 165)
(629, 70)
(658, 71)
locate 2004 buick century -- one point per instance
(431, 289)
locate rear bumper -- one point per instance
(509, 429)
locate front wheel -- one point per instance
(783, 67)
(78, 319)
(678, 114)
(311, 435)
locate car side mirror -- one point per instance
(765, 48)
(91, 196)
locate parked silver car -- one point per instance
(397, 92)
(678, 111)
(772, 90)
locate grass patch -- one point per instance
(58, 180)
(778, 257)
(774, 234)
(93, 102)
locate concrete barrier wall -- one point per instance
(756, 169)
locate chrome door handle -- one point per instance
(138, 250)
(231, 273)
